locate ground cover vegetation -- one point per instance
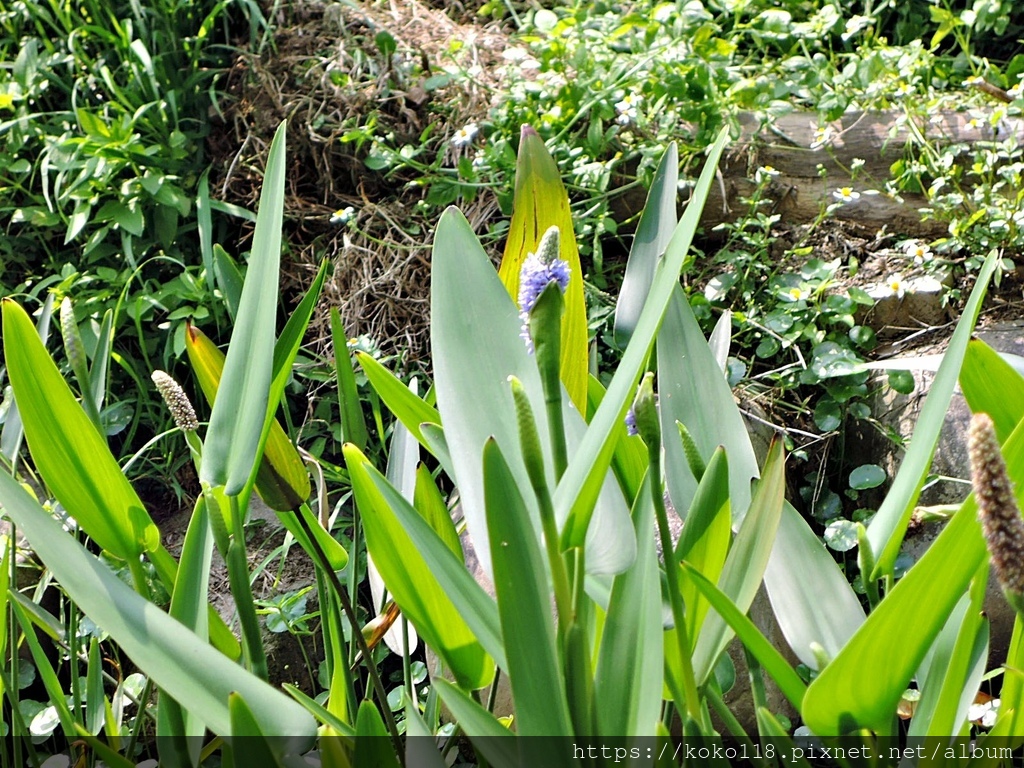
(130, 208)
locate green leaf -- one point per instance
(628, 679)
(524, 604)
(898, 633)
(373, 748)
(540, 202)
(494, 741)
(579, 487)
(811, 598)
(887, 528)
(236, 425)
(410, 580)
(46, 671)
(353, 425)
(67, 449)
(409, 409)
(993, 386)
(248, 743)
(954, 668)
(430, 504)
(13, 430)
(653, 233)
(281, 478)
(747, 560)
(476, 346)
(767, 655)
(867, 476)
(229, 279)
(704, 542)
(175, 659)
(204, 223)
(344, 730)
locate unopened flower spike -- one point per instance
(997, 509)
(540, 268)
(177, 402)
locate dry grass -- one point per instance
(324, 73)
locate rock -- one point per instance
(900, 414)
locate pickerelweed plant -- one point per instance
(599, 636)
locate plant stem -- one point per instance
(357, 635)
(689, 682)
(241, 590)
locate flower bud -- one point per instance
(997, 509)
(177, 402)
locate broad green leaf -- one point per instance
(409, 579)
(248, 743)
(629, 461)
(993, 386)
(229, 279)
(373, 748)
(189, 606)
(541, 202)
(887, 528)
(46, 672)
(694, 392)
(746, 562)
(175, 659)
(236, 425)
(67, 450)
(704, 542)
(421, 750)
(353, 425)
(342, 729)
(653, 233)
(955, 667)
(812, 600)
(524, 604)
(476, 346)
(495, 742)
(430, 504)
(628, 679)
(13, 431)
(578, 490)
(767, 655)
(295, 480)
(101, 361)
(409, 409)
(281, 480)
(1012, 716)
(896, 636)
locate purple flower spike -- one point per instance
(631, 429)
(538, 270)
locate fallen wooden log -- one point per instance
(813, 161)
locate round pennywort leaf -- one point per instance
(867, 476)
(841, 535)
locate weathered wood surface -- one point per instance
(791, 145)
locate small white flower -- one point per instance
(764, 173)
(846, 194)
(343, 215)
(822, 135)
(465, 135)
(857, 163)
(985, 714)
(795, 294)
(919, 252)
(903, 90)
(976, 123)
(1016, 91)
(627, 109)
(514, 54)
(529, 64)
(897, 287)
